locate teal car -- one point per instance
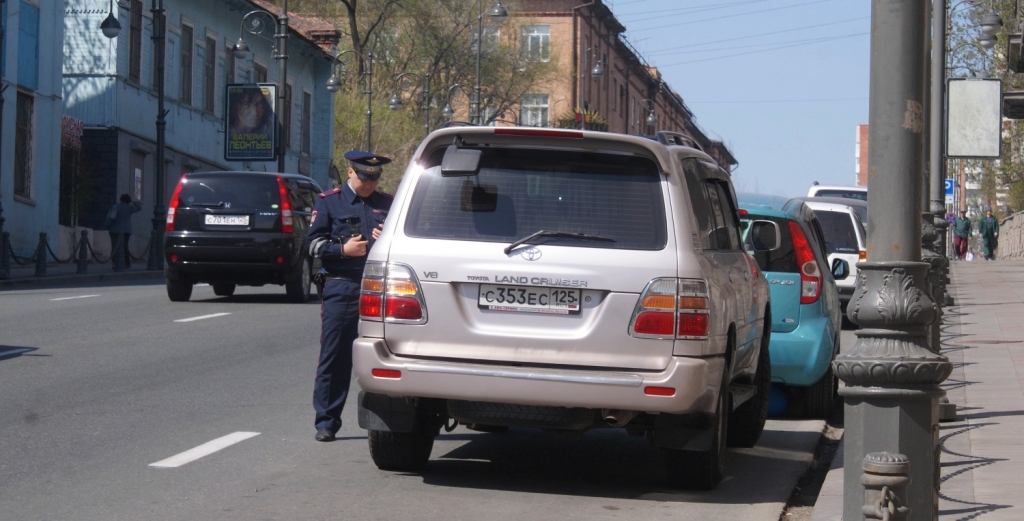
(806, 315)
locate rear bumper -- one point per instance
(255, 259)
(800, 357)
(695, 380)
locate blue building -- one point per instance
(109, 84)
(30, 119)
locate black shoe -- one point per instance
(325, 434)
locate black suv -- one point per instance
(239, 228)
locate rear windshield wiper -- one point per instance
(209, 205)
(546, 233)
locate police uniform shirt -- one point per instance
(338, 215)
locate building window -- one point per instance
(186, 64)
(632, 112)
(489, 117)
(536, 43)
(307, 112)
(135, 41)
(259, 73)
(28, 46)
(286, 117)
(533, 110)
(23, 146)
(491, 38)
(209, 74)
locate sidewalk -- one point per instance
(982, 453)
(67, 274)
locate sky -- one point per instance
(783, 83)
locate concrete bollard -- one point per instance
(41, 256)
(83, 253)
(885, 480)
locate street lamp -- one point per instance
(395, 103)
(279, 53)
(498, 13)
(596, 72)
(447, 112)
(652, 118)
(111, 28)
(334, 84)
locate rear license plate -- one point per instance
(227, 220)
(528, 299)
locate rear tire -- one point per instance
(820, 397)
(298, 289)
(179, 290)
(703, 470)
(223, 289)
(746, 423)
(402, 451)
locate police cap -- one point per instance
(367, 165)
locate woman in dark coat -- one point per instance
(121, 228)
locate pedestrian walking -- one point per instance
(119, 222)
(988, 227)
(961, 234)
(344, 225)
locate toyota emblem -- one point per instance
(531, 254)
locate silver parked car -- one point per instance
(565, 280)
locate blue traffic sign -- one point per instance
(949, 187)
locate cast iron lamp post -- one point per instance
(498, 13)
(596, 73)
(652, 118)
(111, 28)
(279, 53)
(447, 112)
(334, 84)
(395, 103)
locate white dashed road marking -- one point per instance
(204, 450)
(204, 317)
(69, 298)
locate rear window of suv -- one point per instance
(840, 234)
(521, 191)
(231, 191)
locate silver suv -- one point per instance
(564, 280)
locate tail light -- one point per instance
(863, 256)
(810, 272)
(287, 221)
(392, 293)
(672, 308)
(172, 207)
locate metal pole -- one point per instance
(475, 116)
(3, 87)
(426, 103)
(281, 42)
(369, 98)
(892, 377)
(156, 258)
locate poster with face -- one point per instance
(250, 122)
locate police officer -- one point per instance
(344, 225)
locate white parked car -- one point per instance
(849, 192)
(565, 280)
(845, 238)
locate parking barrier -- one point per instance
(44, 252)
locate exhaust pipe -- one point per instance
(618, 417)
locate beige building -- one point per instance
(602, 82)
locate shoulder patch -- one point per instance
(330, 192)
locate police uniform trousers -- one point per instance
(339, 318)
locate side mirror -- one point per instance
(460, 162)
(765, 236)
(840, 269)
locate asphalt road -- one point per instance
(98, 384)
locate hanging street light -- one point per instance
(334, 85)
